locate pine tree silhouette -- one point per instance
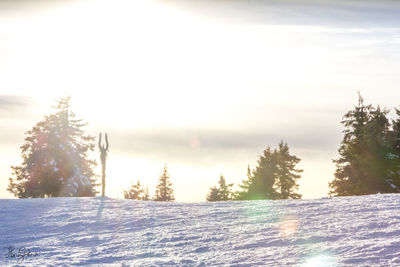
(222, 193)
(135, 192)
(146, 195)
(164, 191)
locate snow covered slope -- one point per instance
(347, 231)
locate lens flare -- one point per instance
(258, 212)
(321, 260)
(194, 142)
(288, 226)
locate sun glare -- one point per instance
(114, 60)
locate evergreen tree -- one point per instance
(350, 169)
(368, 155)
(262, 183)
(164, 191)
(243, 194)
(274, 177)
(393, 170)
(54, 158)
(395, 136)
(135, 192)
(222, 193)
(287, 175)
(213, 195)
(225, 190)
(146, 195)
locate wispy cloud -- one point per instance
(188, 144)
(16, 116)
(345, 13)
(11, 102)
(29, 6)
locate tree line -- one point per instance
(164, 190)
(55, 162)
(275, 177)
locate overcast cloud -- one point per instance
(338, 13)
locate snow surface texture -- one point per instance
(345, 231)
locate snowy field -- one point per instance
(348, 231)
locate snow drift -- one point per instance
(343, 231)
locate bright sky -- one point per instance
(201, 86)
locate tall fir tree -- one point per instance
(350, 167)
(55, 158)
(164, 190)
(136, 191)
(368, 161)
